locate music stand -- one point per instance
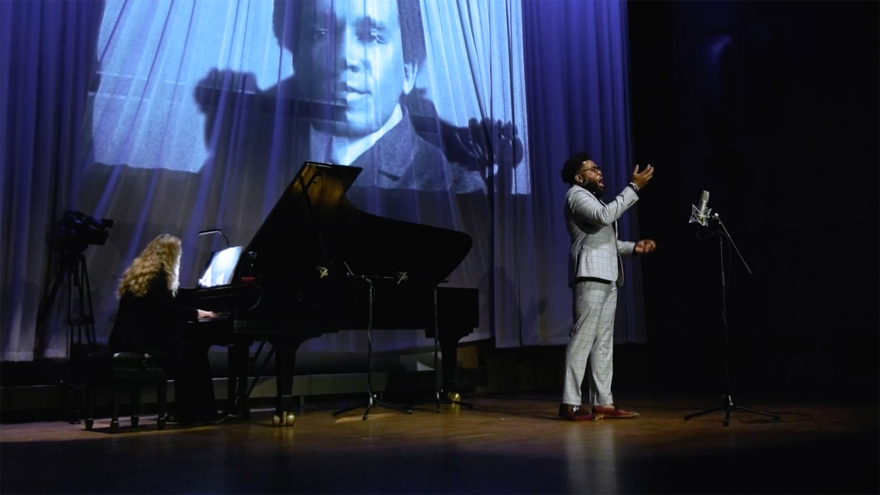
(438, 397)
(727, 402)
(371, 400)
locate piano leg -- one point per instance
(449, 338)
(237, 395)
(446, 392)
(285, 363)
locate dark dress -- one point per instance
(155, 323)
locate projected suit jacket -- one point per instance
(592, 224)
(402, 159)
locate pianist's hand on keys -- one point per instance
(206, 314)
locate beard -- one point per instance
(594, 188)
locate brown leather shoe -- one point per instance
(613, 412)
(575, 413)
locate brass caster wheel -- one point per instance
(288, 419)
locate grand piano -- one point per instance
(309, 270)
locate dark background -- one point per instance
(772, 107)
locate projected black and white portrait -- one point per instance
(386, 86)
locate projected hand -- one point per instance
(206, 314)
(640, 179)
(645, 246)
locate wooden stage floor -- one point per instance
(509, 444)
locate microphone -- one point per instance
(701, 215)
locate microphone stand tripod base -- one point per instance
(371, 402)
(727, 405)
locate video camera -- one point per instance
(76, 231)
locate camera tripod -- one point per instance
(727, 402)
(81, 324)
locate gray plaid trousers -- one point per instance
(592, 341)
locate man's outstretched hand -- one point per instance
(645, 246)
(640, 179)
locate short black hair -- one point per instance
(571, 166)
(412, 31)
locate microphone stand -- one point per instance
(371, 400)
(727, 402)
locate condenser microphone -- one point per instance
(701, 214)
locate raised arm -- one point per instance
(586, 208)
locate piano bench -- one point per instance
(117, 372)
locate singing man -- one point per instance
(595, 273)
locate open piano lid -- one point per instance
(313, 226)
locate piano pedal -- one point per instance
(289, 419)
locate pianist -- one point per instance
(148, 321)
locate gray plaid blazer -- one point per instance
(592, 225)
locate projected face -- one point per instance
(350, 53)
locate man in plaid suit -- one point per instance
(595, 273)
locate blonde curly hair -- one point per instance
(162, 253)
